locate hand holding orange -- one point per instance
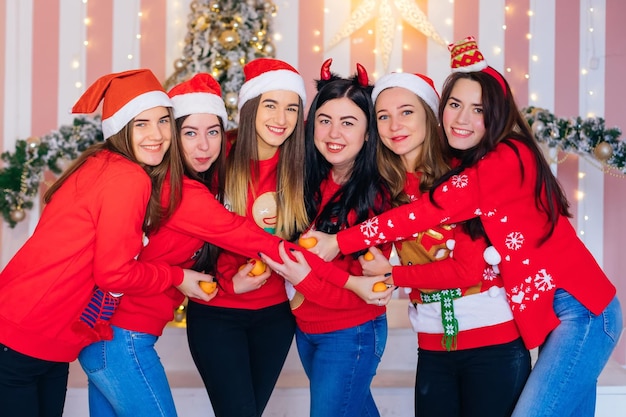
(307, 242)
(380, 286)
(258, 268)
(208, 286)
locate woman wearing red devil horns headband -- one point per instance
(340, 338)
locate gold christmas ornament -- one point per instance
(179, 64)
(230, 99)
(63, 163)
(603, 151)
(269, 49)
(201, 23)
(17, 215)
(537, 127)
(229, 39)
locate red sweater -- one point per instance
(88, 235)
(320, 306)
(445, 257)
(199, 218)
(502, 195)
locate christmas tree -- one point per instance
(223, 36)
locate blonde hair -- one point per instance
(241, 173)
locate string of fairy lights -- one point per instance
(22, 172)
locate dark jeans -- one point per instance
(481, 382)
(239, 354)
(31, 387)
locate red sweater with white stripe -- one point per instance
(320, 306)
(498, 191)
(445, 257)
(199, 218)
(88, 235)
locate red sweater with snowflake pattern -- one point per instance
(445, 257)
(88, 235)
(501, 194)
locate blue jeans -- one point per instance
(126, 377)
(564, 378)
(340, 366)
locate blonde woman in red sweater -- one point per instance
(561, 299)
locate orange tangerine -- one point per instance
(307, 242)
(258, 268)
(208, 286)
(380, 286)
(369, 256)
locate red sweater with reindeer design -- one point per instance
(500, 190)
(446, 257)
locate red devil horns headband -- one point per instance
(362, 77)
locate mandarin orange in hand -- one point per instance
(369, 256)
(258, 268)
(307, 242)
(380, 286)
(208, 286)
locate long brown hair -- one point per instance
(122, 144)
(505, 124)
(242, 169)
(432, 164)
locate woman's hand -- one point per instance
(363, 287)
(244, 282)
(191, 285)
(293, 270)
(327, 247)
(378, 266)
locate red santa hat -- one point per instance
(200, 94)
(466, 57)
(125, 95)
(419, 84)
(268, 74)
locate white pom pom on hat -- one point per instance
(200, 94)
(125, 95)
(269, 74)
(419, 84)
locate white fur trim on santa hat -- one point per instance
(191, 103)
(412, 83)
(271, 81)
(130, 110)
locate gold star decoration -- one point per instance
(386, 23)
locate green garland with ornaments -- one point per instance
(22, 172)
(586, 137)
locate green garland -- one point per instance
(23, 169)
(577, 135)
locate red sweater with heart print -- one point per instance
(500, 190)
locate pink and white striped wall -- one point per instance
(564, 55)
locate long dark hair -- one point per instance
(213, 179)
(504, 124)
(364, 193)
